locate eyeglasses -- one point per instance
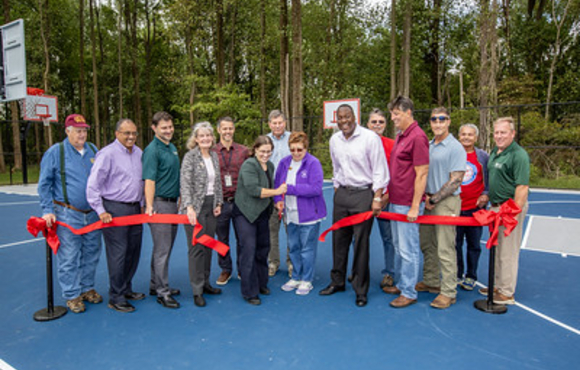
(377, 122)
(296, 150)
(439, 118)
(129, 133)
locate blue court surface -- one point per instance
(542, 331)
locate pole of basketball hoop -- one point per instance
(23, 134)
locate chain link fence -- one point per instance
(553, 144)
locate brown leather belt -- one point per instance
(71, 207)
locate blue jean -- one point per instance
(78, 255)
(302, 242)
(388, 248)
(408, 251)
(472, 235)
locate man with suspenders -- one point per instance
(64, 171)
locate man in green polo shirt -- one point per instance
(161, 175)
(509, 177)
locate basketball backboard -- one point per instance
(12, 62)
(40, 108)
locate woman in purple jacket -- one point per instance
(303, 207)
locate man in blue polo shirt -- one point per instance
(161, 176)
(64, 171)
(447, 162)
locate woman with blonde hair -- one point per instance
(201, 200)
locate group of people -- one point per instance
(278, 182)
(414, 176)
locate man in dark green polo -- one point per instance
(509, 177)
(161, 175)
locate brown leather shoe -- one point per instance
(484, 291)
(422, 287)
(402, 301)
(499, 298)
(224, 278)
(442, 301)
(92, 296)
(387, 281)
(391, 290)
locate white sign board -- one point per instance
(13, 86)
(330, 108)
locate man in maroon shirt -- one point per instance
(231, 156)
(408, 167)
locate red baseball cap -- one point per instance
(75, 120)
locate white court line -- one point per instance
(527, 233)
(552, 201)
(541, 315)
(18, 203)
(18, 243)
(5, 366)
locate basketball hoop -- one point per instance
(39, 107)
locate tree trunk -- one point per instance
(263, 58)
(284, 59)
(405, 73)
(232, 65)
(557, 47)
(105, 89)
(191, 69)
(393, 50)
(149, 43)
(120, 56)
(131, 16)
(82, 58)
(297, 108)
(507, 31)
(433, 58)
(95, 77)
(219, 10)
(45, 35)
(488, 69)
(13, 105)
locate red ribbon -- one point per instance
(506, 217)
(37, 224)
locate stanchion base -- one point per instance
(489, 307)
(44, 315)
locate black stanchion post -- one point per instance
(50, 312)
(487, 305)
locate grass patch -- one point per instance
(564, 182)
(33, 172)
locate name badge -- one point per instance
(228, 180)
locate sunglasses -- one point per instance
(377, 122)
(297, 150)
(439, 118)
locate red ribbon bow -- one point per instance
(505, 217)
(37, 224)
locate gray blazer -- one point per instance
(194, 181)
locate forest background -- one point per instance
(204, 59)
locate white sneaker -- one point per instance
(290, 285)
(304, 288)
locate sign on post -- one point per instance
(330, 108)
(12, 62)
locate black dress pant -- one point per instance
(123, 246)
(199, 256)
(254, 238)
(348, 202)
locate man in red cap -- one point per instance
(64, 171)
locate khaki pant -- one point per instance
(507, 255)
(438, 247)
(274, 254)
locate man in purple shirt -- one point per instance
(114, 189)
(409, 167)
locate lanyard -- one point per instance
(230, 159)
